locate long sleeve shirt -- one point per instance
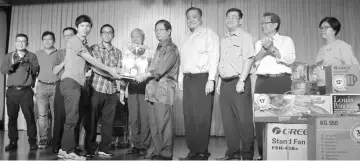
(272, 65)
(164, 69)
(199, 53)
(25, 73)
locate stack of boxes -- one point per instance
(306, 126)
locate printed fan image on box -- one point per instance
(279, 107)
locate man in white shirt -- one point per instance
(275, 55)
(199, 62)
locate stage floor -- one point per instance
(217, 148)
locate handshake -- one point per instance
(24, 62)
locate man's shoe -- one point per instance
(103, 153)
(142, 151)
(78, 150)
(43, 143)
(61, 154)
(12, 145)
(55, 151)
(74, 156)
(202, 156)
(235, 156)
(190, 156)
(133, 150)
(160, 157)
(149, 157)
(33, 146)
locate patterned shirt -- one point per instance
(164, 71)
(110, 58)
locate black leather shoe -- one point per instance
(33, 146)
(133, 150)
(150, 157)
(190, 156)
(236, 156)
(12, 145)
(142, 151)
(78, 150)
(160, 157)
(201, 156)
(55, 151)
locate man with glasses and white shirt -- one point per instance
(275, 55)
(199, 51)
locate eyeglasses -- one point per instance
(23, 42)
(67, 36)
(324, 27)
(265, 23)
(156, 30)
(107, 33)
(232, 18)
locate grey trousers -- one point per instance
(138, 116)
(161, 128)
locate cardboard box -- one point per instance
(343, 79)
(285, 142)
(289, 108)
(333, 137)
(345, 103)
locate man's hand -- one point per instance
(180, 86)
(121, 97)
(218, 89)
(240, 87)
(114, 73)
(89, 73)
(140, 78)
(209, 87)
(267, 43)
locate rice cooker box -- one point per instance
(285, 142)
(333, 137)
(289, 108)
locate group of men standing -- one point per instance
(201, 65)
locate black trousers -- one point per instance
(271, 85)
(59, 116)
(237, 118)
(103, 108)
(14, 100)
(197, 110)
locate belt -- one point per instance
(273, 75)
(228, 79)
(20, 87)
(192, 75)
(48, 83)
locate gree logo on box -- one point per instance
(277, 130)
